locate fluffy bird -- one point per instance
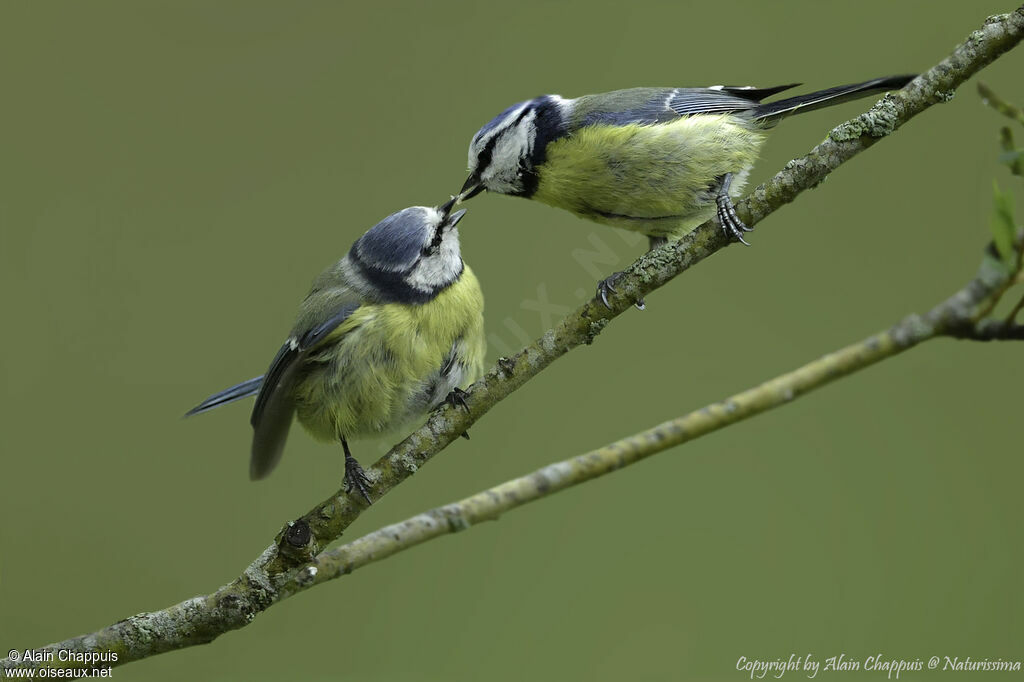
(386, 334)
(660, 161)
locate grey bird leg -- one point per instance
(731, 223)
(355, 477)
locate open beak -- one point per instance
(451, 219)
(471, 188)
(454, 218)
(446, 208)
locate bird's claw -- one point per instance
(605, 285)
(608, 285)
(726, 209)
(356, 478)
(458, 397)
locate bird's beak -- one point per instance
(454, 219)
(445, 209)
(471, 188)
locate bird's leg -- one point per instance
(355, 477)
(458, 397)
(731, 223)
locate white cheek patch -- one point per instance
(439, 269)
(502, 175)
(479, 143)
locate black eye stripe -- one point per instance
(483, 159)
(436, 241)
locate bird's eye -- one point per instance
(434, 244)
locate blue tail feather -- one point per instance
(771, 112)
(228, 395)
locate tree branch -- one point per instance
(960, 312)
(295, 561)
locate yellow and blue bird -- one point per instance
(386, 334)
(660, 161)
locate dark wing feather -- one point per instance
(320, 332)
(274, 409)
(718, 100)
(649, 106)
(284, 359)
(771, 113)
(752, 93)
(272, 414)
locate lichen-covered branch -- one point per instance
(297, 560)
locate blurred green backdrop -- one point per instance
(175, 173)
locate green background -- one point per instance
(175, 173)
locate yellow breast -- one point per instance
(376, 374)
(655, 179)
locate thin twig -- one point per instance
(1015, 311)
(1001, 105)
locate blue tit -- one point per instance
(386, 334)
(660, 161)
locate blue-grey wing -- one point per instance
(720, 99)
(648, 106)
(272, 414)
